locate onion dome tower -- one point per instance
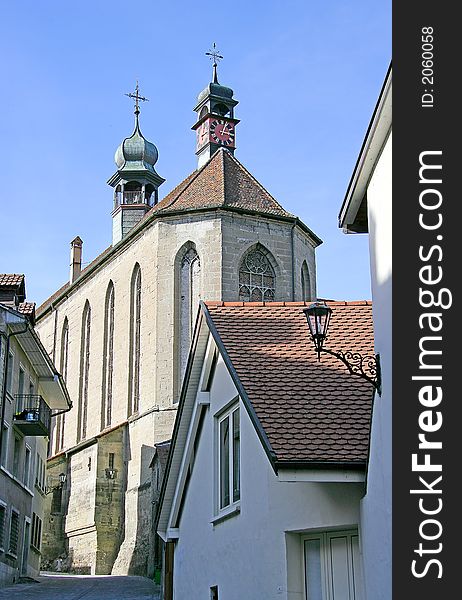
(136, 181)
(215, 125)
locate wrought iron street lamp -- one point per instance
(318, 317)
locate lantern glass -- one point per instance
(62, 478)
(318, 316)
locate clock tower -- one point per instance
(215, 125)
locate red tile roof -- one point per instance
(310, 411)
(223, 182)
(26, 308)
(11, 279)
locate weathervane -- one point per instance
(137, 98)
(214, 55)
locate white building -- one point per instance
(265, 476)
(31, 391)
(367, 208)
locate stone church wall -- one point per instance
(220, 239)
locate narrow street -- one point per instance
(86, 587)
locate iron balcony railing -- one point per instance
(33, 415)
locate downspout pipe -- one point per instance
(8, 336)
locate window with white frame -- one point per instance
(332, 566)
(229, 458)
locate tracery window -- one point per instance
(84, 370)
(256, 277)
(63, 360)
(135, 342)
(188, 302)
(108, 358)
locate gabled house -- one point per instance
(267, 462)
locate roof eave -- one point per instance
(376, 135)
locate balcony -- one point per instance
(33, 415)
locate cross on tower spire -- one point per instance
(214, 55)
(137, 98)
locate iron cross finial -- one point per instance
(137, 98)
(214, 55)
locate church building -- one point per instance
(119, 330)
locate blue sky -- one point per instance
(307, 75)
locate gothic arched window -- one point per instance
(63, 360)
(188, 296)
(108, 357)
(305, 281)
(135, 342)
(84, 370)
(256, 276)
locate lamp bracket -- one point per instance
(366, 367)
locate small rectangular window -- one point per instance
(229, 458)
(214, 592)
(36, 531)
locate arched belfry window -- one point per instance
(84, 371)
(188, 294)
(63, 361)
(108, 357)
(305, 282)
(135, 342)
(257, 279)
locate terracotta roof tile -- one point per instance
(26, 308)
(310, 410)
(223, 182)
(11, 279)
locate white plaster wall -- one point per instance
(245, 555)
(376, 506)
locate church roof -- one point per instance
(310, 411)
(223, 182)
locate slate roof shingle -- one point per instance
(311, 412)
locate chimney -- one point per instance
(76, 259)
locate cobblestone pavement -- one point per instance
(85, 587)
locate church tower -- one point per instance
(215, 125)
(136, 181)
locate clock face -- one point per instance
(202, 134)
(222, 132)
